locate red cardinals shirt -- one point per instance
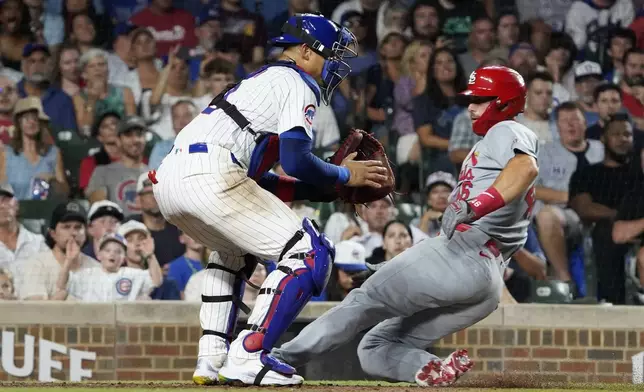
(169, 28)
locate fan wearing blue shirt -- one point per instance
(56, 103)
(182, 268)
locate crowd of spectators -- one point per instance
(93, 93)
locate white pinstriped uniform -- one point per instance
(212, 199)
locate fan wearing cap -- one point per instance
(349, 263)
(30, 156)
(104, 217)
(17, 244)
(209, 32)
(36, 66)
(112, 281)
(66, 235)
(140, 255)
(439, 185)
(120, 60)
(588, 75)
(165, 235)
(117, 181)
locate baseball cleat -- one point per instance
(458, 363)
(207, 371)
(260, 370)
(434, 374)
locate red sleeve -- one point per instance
(87, 166)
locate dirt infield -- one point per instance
(504, 382)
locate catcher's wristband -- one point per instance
(488, 201)
(343, 175)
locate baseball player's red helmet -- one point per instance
(504, 85)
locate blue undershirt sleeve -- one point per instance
(298, 161)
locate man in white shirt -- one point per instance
(66, 234)
(112, 281)
(16, 242)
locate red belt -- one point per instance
(490, 245)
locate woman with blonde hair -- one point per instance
(414, 69)
(31, 163)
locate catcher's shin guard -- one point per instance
(287, 289)
(222, 291)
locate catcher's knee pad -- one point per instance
(286, 290)
(222, 293)
(320, 259)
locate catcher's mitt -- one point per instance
(368, 148)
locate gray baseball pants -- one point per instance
(431, 290)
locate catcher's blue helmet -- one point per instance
(330, 40)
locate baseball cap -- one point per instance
(131, 226)
(520, 46)
(124, 28)
(104, 208)
(588, 68)
(29, 104)
(207, 15)
(143, 184)
(6, 190)
(350, 256)
(112, 237)
(131, 122)
(30, 48)
(440, 177)
(67, 212)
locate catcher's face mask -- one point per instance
(333, 42)
(336, 69)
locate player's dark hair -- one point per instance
(602, 88)
(543, 76)
(218, 66)
(630, 52)
(621, 32)
(391, 222)
(567, 106)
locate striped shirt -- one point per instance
(274, 100)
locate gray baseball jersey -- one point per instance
(557, 164)
(436, 287)
(509, 224)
